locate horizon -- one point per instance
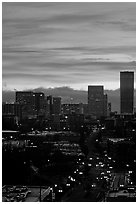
(66, 93)
(59, 87)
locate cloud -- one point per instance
(78, 74)
(67, 43)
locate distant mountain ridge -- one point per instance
(70, 95)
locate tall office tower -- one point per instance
(38, 100)
(25, 97)
(49, 105)
(27, 100)
(126, 92)
(109, 108)
(96, 101)
(105, 101)
(56, 105)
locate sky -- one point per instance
(67, 44)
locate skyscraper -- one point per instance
(56, 105)
(105, 102)
(126, 92)
(49, 104)
(38, 100)
(25, 98)
(12, 109)
(31, 102)
(96, 101)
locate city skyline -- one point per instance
(67, 44)
(69, 102)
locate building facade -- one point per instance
(38, 101)
(25, 98)
(49, 109)
(32, 102)
(72, 108)
(105, 105)
(126, 92)
(56, 105)
(12, 109)
(97, 102)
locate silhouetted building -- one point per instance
(9, 122)
(105, 105)
(32, 103)
(72, 108)
(55, 121)
(126, 92)
(110, 123)
(56, 105)
(12, 109)
(121, 149)
(109, 108)
(35, 100)
(96, 101)
(75, 121)
(38, 101)
(25, 98)
(85, 109)
(49, 104)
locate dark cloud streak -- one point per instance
(67, 43)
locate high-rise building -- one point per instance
(31, 102)
(72, 108)
(126, 92)
(105, 105)
(109, 108)
(56, 105)
(96, 101)
(25, 98)
(12, 109)
(49, 105)
(38, 101)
